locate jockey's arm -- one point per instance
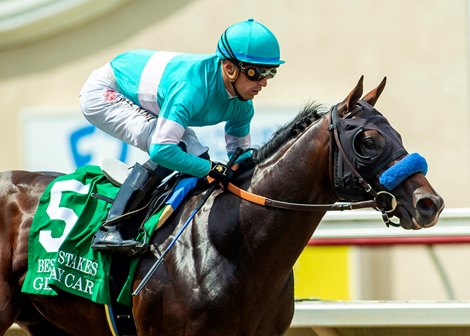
(173, 157)
(164, 150)
(173, 119)
(237, 135)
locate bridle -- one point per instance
(382, 201)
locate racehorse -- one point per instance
(230, 273)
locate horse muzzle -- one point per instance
(422, 213)
(428, 206)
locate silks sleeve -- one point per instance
(237, 131)
(172, 121)
(173, 157)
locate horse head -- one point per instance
(369, 160)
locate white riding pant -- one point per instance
(105, 107)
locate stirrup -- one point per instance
(111, 241)
(131, 251)
(139, 250)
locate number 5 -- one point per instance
(54, 211)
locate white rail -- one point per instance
(454, 225)
(381, 314)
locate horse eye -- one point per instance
(369, 143)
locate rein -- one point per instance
(382, 200)
(268, 202)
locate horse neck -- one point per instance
(300, 173)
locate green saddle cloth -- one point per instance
(59, 245)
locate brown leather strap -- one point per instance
(366, 186)
(264, 201)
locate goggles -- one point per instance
(255, 73)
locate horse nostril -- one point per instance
(426, 206)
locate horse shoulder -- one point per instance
(20, 192)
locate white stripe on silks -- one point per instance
(167, 132)
(232, 142)
(150, 79)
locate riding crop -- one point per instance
(161, 258)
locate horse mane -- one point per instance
(310, 113)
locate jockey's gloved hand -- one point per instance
(221, 172)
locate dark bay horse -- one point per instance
(230, 273)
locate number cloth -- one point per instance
(67, 210)
(60, 255)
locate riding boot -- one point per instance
(137, 187)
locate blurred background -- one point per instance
(48, 49)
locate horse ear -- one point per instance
(372, 96)
(351, 100)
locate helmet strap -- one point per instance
(236, 91)
(233, 77)
(233, 80)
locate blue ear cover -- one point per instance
(400, 171)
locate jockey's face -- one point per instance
(247, 88)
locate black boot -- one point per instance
(137, 188)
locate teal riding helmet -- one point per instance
(249, 42)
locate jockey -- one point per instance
(149, 99)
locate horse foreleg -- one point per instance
(278, 314)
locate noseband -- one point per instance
(383, 201)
